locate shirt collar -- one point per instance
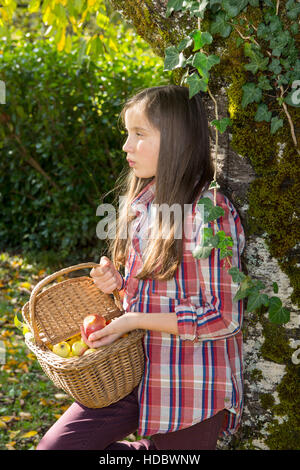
(146, 195)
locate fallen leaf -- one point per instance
(29, 434)
(3, 425)
(23, 414)
(25, 285)
(7, 419)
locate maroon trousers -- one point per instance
(82, 428)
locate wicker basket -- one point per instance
(55, 314)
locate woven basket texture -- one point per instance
(97, 379)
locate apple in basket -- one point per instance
(62, 349)
(79, 347)
(93, 323)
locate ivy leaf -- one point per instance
(264, 83)
(279, 41)
(293, 9)
(214, 214)
(276, 123)
(277, 313)
(263, 31)
(241, 294)
(256, 300)
(174, 5)
(275, 287)
(198, 8)
(201, 39)
(258, 62)
(186, 42)
(232, 7)
(173, 58)
(212, 60)
(221, 25)
(202, 251)
(251, 93)
(196, 84)
(200, 61)
(222, 124)
(262, 113)
(237, 275)
(275, 67)
(214, 184)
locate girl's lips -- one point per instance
(131, 163)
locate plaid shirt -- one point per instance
(191, 376)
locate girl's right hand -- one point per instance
(106, 277)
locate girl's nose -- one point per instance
(127, 147)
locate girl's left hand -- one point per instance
(107, 335)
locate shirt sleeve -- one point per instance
(218, 316)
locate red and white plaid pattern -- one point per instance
(191, 376)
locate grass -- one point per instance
(29, 402)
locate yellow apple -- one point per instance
(90, 350)
(62, 349)
(79, 347)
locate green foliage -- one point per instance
(250, 288)
(60, 142)
(270, 47)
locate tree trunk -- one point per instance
(267, 356)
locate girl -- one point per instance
(191, 389)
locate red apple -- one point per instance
(93, 323)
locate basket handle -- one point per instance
(51, 278)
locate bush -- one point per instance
(61, 146)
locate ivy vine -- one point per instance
(273, 66)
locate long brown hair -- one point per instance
(184, 167)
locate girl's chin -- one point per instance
(140, 174)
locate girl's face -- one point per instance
(142, 144)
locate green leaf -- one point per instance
(279, 41)
(196, 84)
(200, 61)
(174, 5)
(264, 83)
(214, 213)
(221, 25)
(275, 67)
(212, 60)
(258, 62)
(277, 313)
(202, 251)
(222, 124)
(276, 123)
(198, 8)
(184, 43)
(173, 58)
(251, 93)
(201, 39)
(214, 184)
(241, 294)
(262, 113)
(275, 287)
(256, 300)
(237, 275)
(211, 212)
(293, 9)
(232, 7)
